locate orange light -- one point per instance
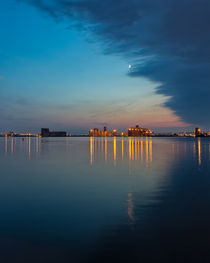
(105, 149)
(199, 151)
(115, 152)
(29, 147)
(129, 142)
(91, 150)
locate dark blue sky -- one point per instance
(64, 64)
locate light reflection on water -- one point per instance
(89, 199)
(138, 149)
(131, 148)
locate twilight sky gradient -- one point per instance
(64, 64)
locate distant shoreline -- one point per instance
(85, 136)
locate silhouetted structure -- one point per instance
(45, 132)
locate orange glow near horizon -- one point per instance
(154, 114)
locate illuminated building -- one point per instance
(114, 132)
(197, 132)
(97, 133)
(91, 133)
(104, 132)
(139, 132)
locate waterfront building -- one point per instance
(114, 132)
(139, 132)
(104, 133)
(45, 132)
(197, 132)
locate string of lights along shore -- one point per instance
(136, 131)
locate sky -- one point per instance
(65, 64)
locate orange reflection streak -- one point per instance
(12, 147)
(102, 144)
(115, 151)
(136, 152)
(129, 146)
(150, 150)
(142, 150)
(91, 150)
(95, 145)
(29, 147)
(122, 149)
(6, 144)
(147, 150)
(98, 145)
(105, 148)
(132, 149)
(199, 151)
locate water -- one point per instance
(104, 200)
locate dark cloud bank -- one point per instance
(169, 40)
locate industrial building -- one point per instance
(45, 132)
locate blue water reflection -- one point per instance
(104, 200)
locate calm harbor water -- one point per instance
(104, 200)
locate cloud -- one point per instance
(167, 40)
